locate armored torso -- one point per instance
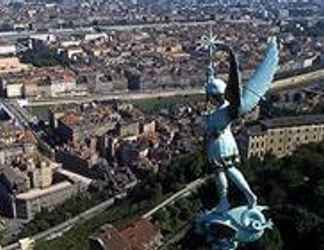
(221, 146)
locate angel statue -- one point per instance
(229, 102)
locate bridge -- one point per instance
(25, 120)
(14, 113)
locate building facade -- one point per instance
(281, 136)
(27, 205)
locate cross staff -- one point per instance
(209, 42)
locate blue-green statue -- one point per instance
(226, 227)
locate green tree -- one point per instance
(42, 57)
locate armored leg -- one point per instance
(222, 187)
(237, 177)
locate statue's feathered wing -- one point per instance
(261, 80)
(233, 91)
(244, 98)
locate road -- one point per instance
(26, 120)
(115, 96)
(188, 189)
(15, 35)
(291, 82)
(299, 80)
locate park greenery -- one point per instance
(293, 187)
(42, 57)
(47, 219)
(155, 105)
(317, 30)
(2, 231)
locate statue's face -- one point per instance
(215, 88)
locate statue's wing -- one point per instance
(233, 91)
(261, 80)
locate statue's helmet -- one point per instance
(215, 86)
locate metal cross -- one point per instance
(209, 42)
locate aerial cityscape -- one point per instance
(161, 125)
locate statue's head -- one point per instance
(215, 86)
(215, 89)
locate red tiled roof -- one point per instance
(112, 239)
(71, 119)
(140, 233)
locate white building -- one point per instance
(70, 43)
(95, 36)
(44, 37)
(7, 49)
(14, 90)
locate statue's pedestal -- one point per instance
(225, 230)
